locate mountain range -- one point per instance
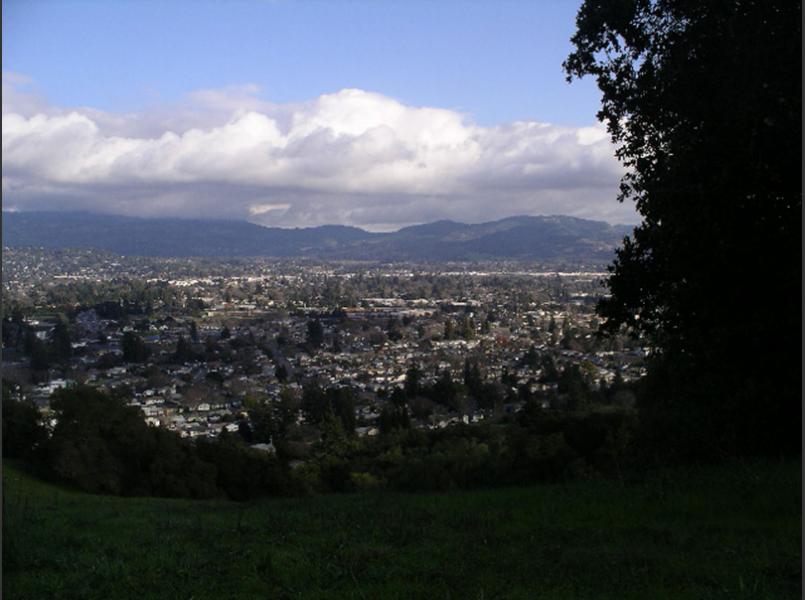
(547, 238)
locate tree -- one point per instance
(550, 372)
(337, 343)
(98, 443)
(263, 423)
(394, 416)
(60, 341)
(39, 352)
(315, 333)
(449, 330)
(574, 387)
(134, 348)
(413, 381)
(287, 410)
(314, 402)
(184, 351)
(394, 329)
(446, 392)
(703, 101)
(342, 402)
(468, 328)
(472, 377)
(507, 378)
(23, 432)
(531, 358)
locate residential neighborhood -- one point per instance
(197, 353)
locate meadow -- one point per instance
(712, 532)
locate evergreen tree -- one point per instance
(468, 328)
(60, 341)
(314, 402)
(38, 351)
(315, 333)
(449, 330)
(287, 410)
(472, 377)
(134, 348)
(281, 373)
(413, 378)
(184, 352)
(531, 358)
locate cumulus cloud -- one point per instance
(352, 157)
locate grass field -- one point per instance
(705, 533)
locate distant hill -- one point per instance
(513, 238)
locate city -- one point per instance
(205, 345)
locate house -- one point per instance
(268, 448)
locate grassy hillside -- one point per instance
(708, 533)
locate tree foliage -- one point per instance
(703, 101)
(23, 431)
(339, 402)
(134, 348)
(315, 333)
(101, 445)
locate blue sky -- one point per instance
(498, 61)
(376, 114)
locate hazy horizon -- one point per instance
(364, 228)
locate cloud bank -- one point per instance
(352, 157)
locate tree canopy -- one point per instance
(703, 101)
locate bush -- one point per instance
(23, 431)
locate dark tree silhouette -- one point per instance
(703, 101)
(339, 402)
(23, 432)
(413, 381)
(184, 351)
(60, 341)
(315, 333)
(134, 348)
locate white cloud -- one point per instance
(352, 157)
(261, 209)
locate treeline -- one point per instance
(535, 447)
(589, 436)
(55, 349)
(101, 445)
(133, 296)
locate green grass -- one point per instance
(694, 533)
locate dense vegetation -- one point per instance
(704, 103)
(101, 445)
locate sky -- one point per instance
(289, 113)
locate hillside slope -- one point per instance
(711, 533)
